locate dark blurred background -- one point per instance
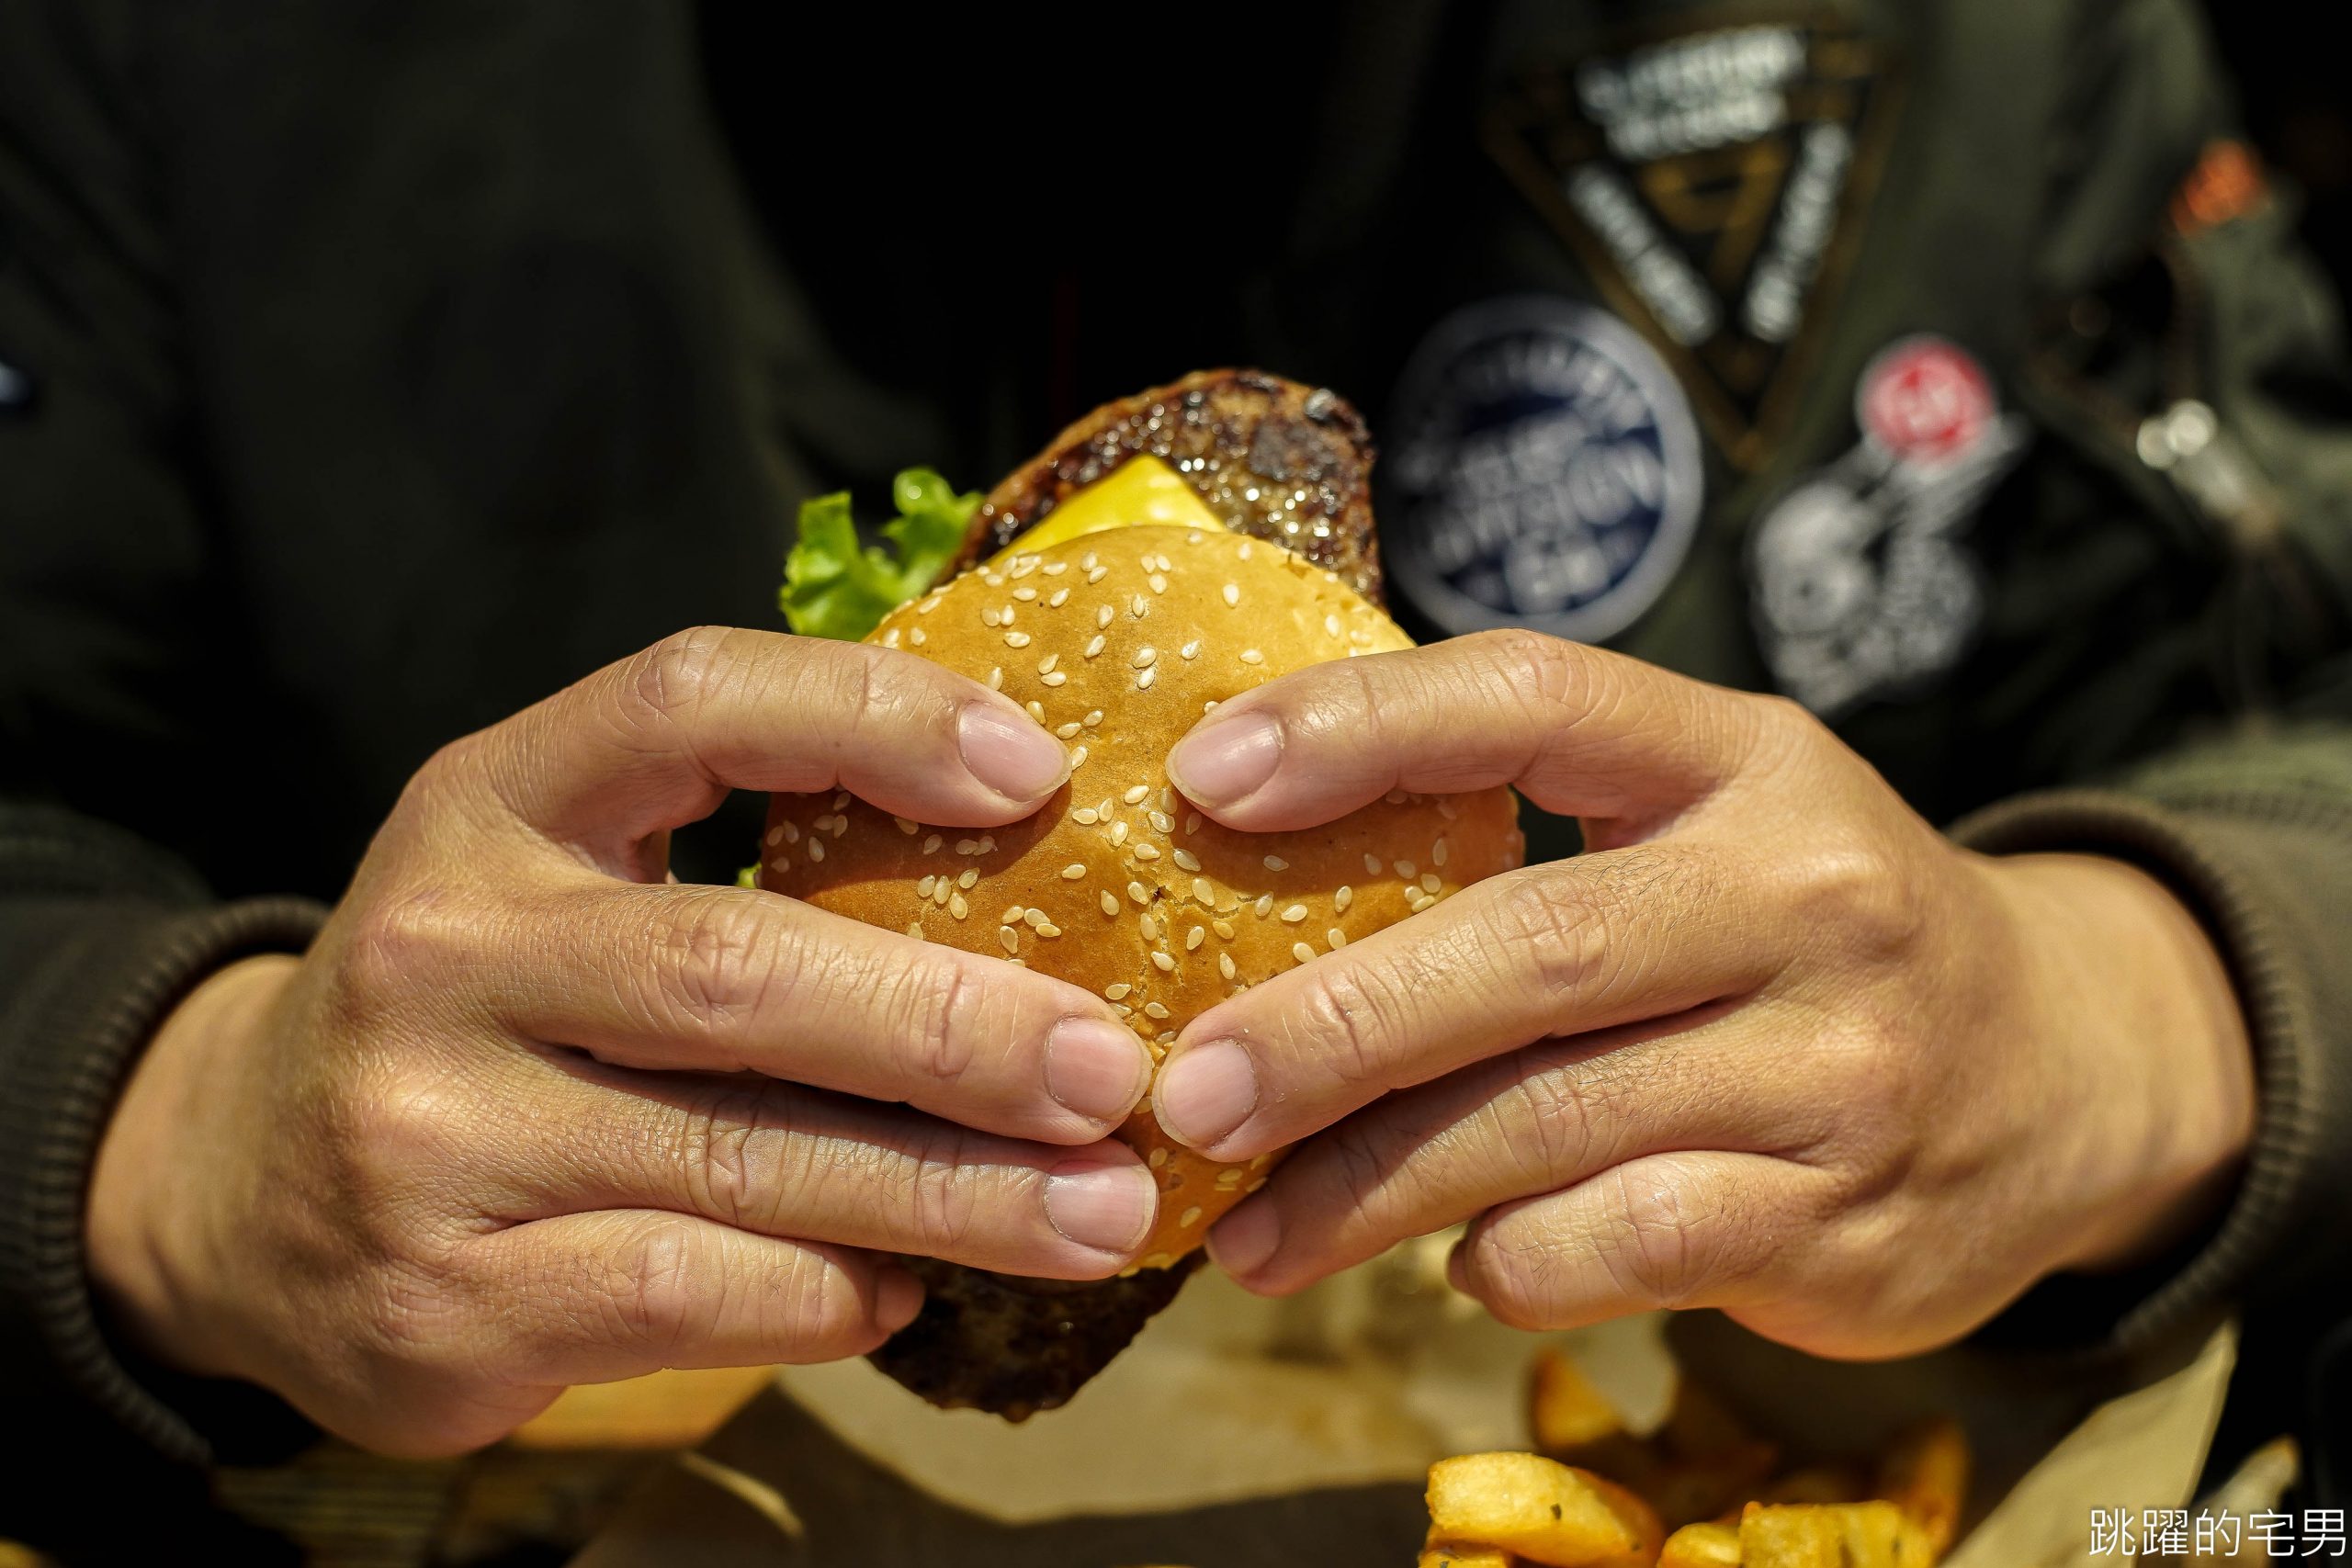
(2298, 109)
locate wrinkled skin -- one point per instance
(1773, 1045)
(529, 1114)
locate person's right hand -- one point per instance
(529, 1115)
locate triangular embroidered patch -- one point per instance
(1712, 183)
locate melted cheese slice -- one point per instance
(1142, 490)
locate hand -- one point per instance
(1771, 1044)
(529, 1115)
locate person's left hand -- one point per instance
(1770, 1045)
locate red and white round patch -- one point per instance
(1924, 398)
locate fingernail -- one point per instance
(1096, 1068)
(1457, 1267)
(1243, 1241)
(1106, 1207)
(898, 1296)
(1010, 755)
(1207, 1093)
(1227, 761)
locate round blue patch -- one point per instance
(1545, 471)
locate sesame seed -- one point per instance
(1134, 796)
(1093, 718)
(1033, 918)
(914, 930)
(1097, 573)
(776, 837)
(1228, 1178)
(1332, 625)
(1301, 952)
(1024, 594)
(967, 846)
(1138, 892)
(1231, 594)
(1194, 937)
(1191, 649)
(1049, 931)
(1011, 915)
(996, 679)
(1008, 940)
(1157, 1260)
(1138, 606)
(1094, 646)
(1225, 965)
(1438, 852)
(1294, 914)
(1055, 569)
(1342, 899)
(959, 905)
(1103, 618)
(1251, 656)
(931, 844)
(1056, 679)
(1191, 824)
(1162, 962)
(1088, 561)
(1023, 565)
(791, 833)
(1276, 862)
(1163, 824)
(1190, 1218)
(1118, 832)
(1185, 859)
(1146, 852)
(1255, 1185)
(1159, 583)
(1265, 905)
(1337, 938)
(890, 637)
(1204, 892)
(816, 848)
(1144, 656)
(840, 801)
(1077, 758)
(1073, 871)
(940, 893)
(1223, 929)
(1045, 665)
(922, 888)
(1155, 1009)
(928, 605)
(991, 617)
(1110, 904)
(1404, 868)
(840, 826)
(908, 828)
(1430, 882)
(1150, 926)
(1068, 731)
(1060, 597)
(1371, 864)
(781, 863)
(1007, 614)
(1143, 681)
(1036, 709)
(1116, 992)
(1445, 808)
(1016, 639)
(994, 579)
(1159, 1158)
(965, 880)
(1084, 816)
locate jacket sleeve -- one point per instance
(103, 542)
(2248, 819)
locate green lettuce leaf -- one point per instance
(833, 586)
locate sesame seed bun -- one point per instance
(1118, 642)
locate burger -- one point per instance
(1165, 555)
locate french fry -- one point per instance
(1542, 1510)
(1701, 1546)
(1926, 1475)
(1455, 1555)
(1564, 1412)
(1835, 1535)
(1817, 1483)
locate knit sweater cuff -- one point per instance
(80, 1023)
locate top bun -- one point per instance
(1118, 642)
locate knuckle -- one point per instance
(1658, 1244)
(1856, 885)
(654, 1292)
(1544, 1124)
(733, 1152)
(715, 962)
(1345, 1015)
(941, 1213)
(1554, 929)
(1511, 1274)
(402, 941)
(928, 1006)
(816, 1311)
(670, 680)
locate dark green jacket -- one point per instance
(372, 370)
